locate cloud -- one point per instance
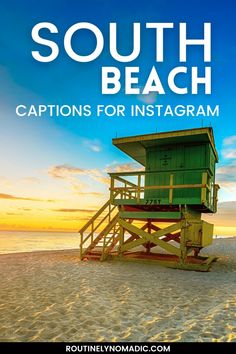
(230, 140)
(73, 218)
(148, 99)
(69, 172)
(13, 197)
(225, 215)
(226, 178)
(230, 151)
(76, 186)
(65, 171)
(93, 144)
(13, 214)
(94, 194)
(125, 167)
(4, 181)
(73, 175)
(32, 180)
(226, 173)
(103, 179)
(10, 196)
(68, 210)
(228, 207)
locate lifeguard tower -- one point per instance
(155, 214)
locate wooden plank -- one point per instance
(134, 236)
(130, 245)
(131, 238)
(102, 234)
(134, 229)
(171, 189)
(166, 246)
(145, 236)
(95, 216)
(176, 186)
(136, 173)
(155, 228)
(150, 215)
(203, 267)
(167, 230)
(174, 237)
(112, 194)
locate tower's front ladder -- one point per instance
(100, 234)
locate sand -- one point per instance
(51, 296)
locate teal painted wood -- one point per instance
(150, 215)
(177, 159)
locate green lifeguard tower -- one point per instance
(155, 214)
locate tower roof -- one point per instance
(135, 146)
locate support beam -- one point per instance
(129, 227)
(135, 236)
(154, 238)
(130, 245)
(168, 229)
(166, 246)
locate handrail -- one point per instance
(118, 178)
(105, 215)
(95, 216)
(95, 241)
(100, 223)
(130, 190)
(162, 187)
(110, 242)
(144, 172)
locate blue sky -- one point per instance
(34, 146)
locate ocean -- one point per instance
(29, 241)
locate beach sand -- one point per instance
(52, 296)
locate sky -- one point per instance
(53, 170)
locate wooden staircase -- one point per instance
(100, 234)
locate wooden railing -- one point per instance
(99, 222)
(109, 241)
(131, 185)
(214, 196)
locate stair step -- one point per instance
(92, 256)
(107, 236)
(95, 251)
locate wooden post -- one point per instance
(183, 247)
(111, 190)
(139, 188)
(81, 246)
(149, 231)
(204, 188)
(171, 189)
(109, 213)
(121, 241)
(215, 196)
(92, 230)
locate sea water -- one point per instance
(29, 241)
